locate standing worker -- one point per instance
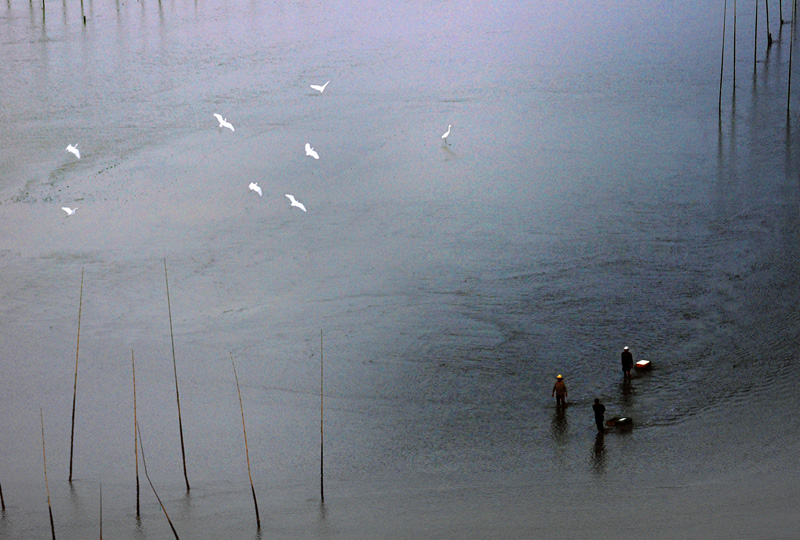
(627, 363)
(560, 392)
(599, 414)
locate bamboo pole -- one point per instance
(722, 60)
(75, 387)
(144, 463)
(175, 368)
(135, 435)
(44, 459)
(321, 430)
(246, 449)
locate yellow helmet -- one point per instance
(559, 377)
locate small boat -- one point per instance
(620, 422)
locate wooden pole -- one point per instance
(722, 61)
(135, 435)
(175, 368)
(101, 511)
(246, 450)
(75, 387)
(44, 458)
(144, 463)
(321, 430)
(2, 500)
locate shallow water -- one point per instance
(590, 197)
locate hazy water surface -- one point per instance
(590, 197)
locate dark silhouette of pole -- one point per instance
(135, 435)
(769, 34)
(175, 368)
(780, 10)
(44, 459)
(321, 430)
(101, 511)
(2, 500)
(755, 41)
(791, 47)
(144, 463)
(75, 387)
(246, 450)
(722, 61)
(734, 46)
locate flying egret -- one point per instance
(68, 210)
(310, 151)
(254, 186)
(295, 203)
(446, 133)
(74, 150)
(319, 88)
(223, 122)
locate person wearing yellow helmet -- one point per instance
(560, 392)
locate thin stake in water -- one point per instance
(2, 500)
(75, 388)
(722, 61)
(246, 450)
(175, 368)
(769, 34)
(321, 430)
(101, 511)
(791, 47)
(755, 41)
(135, 435)
(144, 463)
(44, 458)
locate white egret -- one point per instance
(310, 151)
(446, 133)
(74, 150)
(295, 203)
(255, 187)
(223, 122)
(319, 88)
(69, 210)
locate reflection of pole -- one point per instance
(75, 388)
(722, 61)
(175, 368)
(44, 458)
(144, 462)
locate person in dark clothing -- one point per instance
(599, 414)
(627, 363)
(560, 392)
